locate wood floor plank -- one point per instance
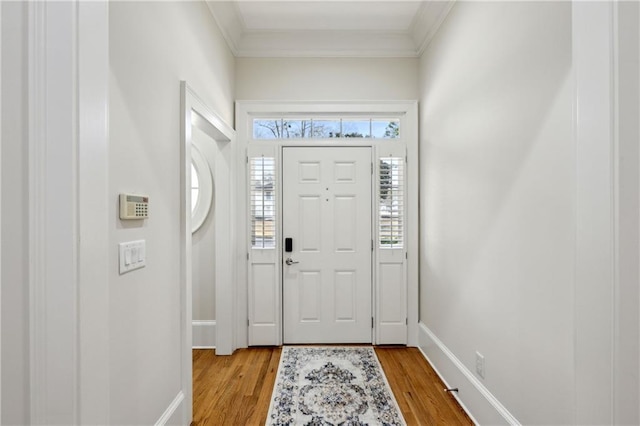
(259, 415)
(236, 390)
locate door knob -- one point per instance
(290, 261)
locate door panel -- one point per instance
(309, 296)
(310, 236)
(262, 278)
(345, 296)
(327, 212)
(344, 224)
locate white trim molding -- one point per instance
(204, 334)
(53, 209)
(170, 415)
(476, 400)
(428, 21)
(37, 116)
(410, 42)
(68, 205)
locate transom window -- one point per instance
(325, 128)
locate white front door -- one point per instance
(327, 282)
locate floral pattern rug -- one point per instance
(332, 386)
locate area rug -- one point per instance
(332, 386)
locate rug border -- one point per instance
(272, 400)
(384, 376)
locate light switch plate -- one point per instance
(132, 255)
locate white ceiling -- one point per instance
(371, 28)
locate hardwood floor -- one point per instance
(236, 390)
(418, 389)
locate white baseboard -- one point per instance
(480, 404)
(204, 334)
(173, 414)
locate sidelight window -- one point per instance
(391, 202)
(263, 211)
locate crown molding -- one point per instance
(302, 43)
(428, 20)
(326, 44)
(229, 21)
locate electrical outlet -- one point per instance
(480, 364)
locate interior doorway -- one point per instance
(198, 117)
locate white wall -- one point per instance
(152, 47)
(15, 295)
(310, 79)
(203, 257)
(627, 381)
(497, 204)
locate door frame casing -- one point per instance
(194, 111)
(408, 110)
